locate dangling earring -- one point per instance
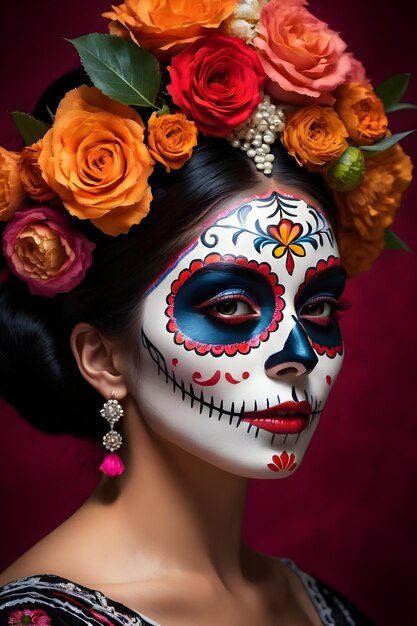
(112, 411)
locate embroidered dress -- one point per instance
(48, 600)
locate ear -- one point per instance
(97, 361)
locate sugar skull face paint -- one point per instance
(239, 338)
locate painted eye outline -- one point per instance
(236, 295)
(321, 319)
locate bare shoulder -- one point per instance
(26, 565)
(64, 552)
(43, 558)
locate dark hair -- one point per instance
(38, 373)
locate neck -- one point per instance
(175, 509)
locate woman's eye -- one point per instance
(319, 312)
(231, 308)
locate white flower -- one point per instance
(244, 22)
(249, 9)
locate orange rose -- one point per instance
(167, 27)
(12, 193)
(362, 113)
(314, 136)
(371, 207)
(95, 159)
(31, 174)
(358, 254)
(171, 139)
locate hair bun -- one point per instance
(38, 374)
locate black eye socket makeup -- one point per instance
(224, 303)
(318, 304)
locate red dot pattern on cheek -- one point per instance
(233, 381)
(328, 379)
(174, 362)
(213, 380)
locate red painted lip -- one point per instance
(293, 420)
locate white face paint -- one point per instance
(240, 342)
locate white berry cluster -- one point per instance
(258, 133)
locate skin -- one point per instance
(147, 552)
(239, 331)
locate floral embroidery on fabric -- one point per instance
(78, 603)
(29, 616)
(331, 609)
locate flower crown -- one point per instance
(251, 71)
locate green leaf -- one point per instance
(29, 127)
(386, 142)
(400, 106)
(119, 68)
(393, 242)
(164, 110)
(392, 90)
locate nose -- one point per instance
(296, 358)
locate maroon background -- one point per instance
(350, 514)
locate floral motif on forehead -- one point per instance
(287, 237)
(253, 72)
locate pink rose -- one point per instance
(217, 82)
(304, 59)
(357, 72)
(43, 249)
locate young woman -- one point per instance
(210, 332)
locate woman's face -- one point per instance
(239, 337)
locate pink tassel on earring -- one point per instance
(112, 465)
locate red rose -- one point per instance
(217, 82)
